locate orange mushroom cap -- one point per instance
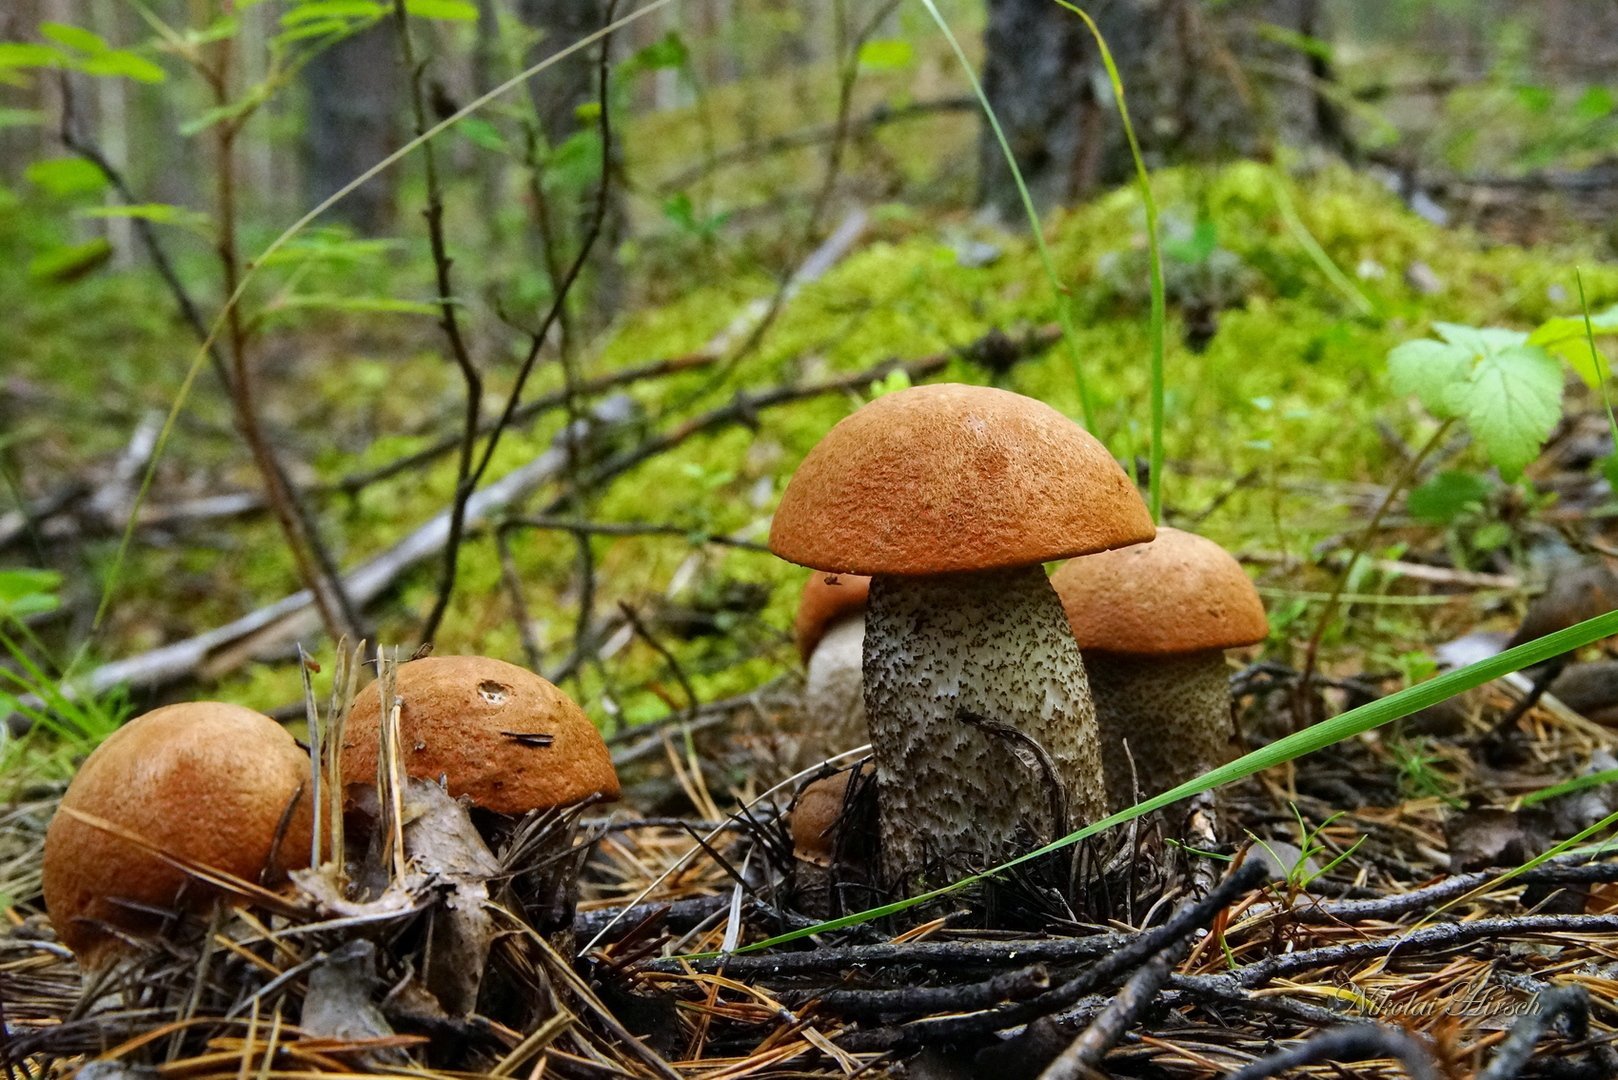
(205, 782)
(814, 816)
(826, 599)
(951, 478)
(499, 734)
(1181, 593)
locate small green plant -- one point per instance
(1417, 776)
(62, 725)
(1303, 871)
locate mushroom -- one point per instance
(829, 829)
(203, 784)
(951, 498)
(506, 741)
(498, 734)
(830, 630)
(1153, 622)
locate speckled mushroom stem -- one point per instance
(953, 796)
(1174, 712)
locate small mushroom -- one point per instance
(1153, 622)
(830, 839)
(951, 498)
(498, 734)
(205, 783)
(831, 639)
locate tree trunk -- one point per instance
(558, 93)
(355, 88)
(1203, 82)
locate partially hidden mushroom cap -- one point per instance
(952, 478)
(498, 734)
(826, 599)
(1181, 593)
(815, 815)
(204, 782)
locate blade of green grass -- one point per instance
(1350, 724)
(1064, 299)
(1154, 472)
(1603, 372)
(1312, 248)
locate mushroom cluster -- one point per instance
(951, 498)
(178, 803)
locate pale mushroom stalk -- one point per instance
(943, 654)
(833, 690)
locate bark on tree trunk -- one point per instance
(1203, 82)
(354, 90)
(558, 93)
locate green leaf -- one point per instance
(449, 10)
(26, 54)
(25, 592)
(667, 53)
(61, 265)
(1479, 340)
(1447, 496)
(74, 37)
(1565, 336)
(1596, 103)
(1511, 403)
(342, 10)
(375, 304)
(886, 54)
(122, 63)
(156, 213)
(479, 131)
(12, 118)
(1432, 371)
(65, 177)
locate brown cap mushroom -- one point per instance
(499, 734)
(827, 599)
(818, 809)
(205, 782)
(1153, 622)
(952, 497)
(954, 478)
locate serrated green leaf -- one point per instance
(1511, 402)
(74, 37)
(449, 10)
(1431, 370)
(1479, 340)
(1565, 336)
(886, 54)
(65, 177)
(122, 63)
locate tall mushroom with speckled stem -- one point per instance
(951, 498)
(1153, 622)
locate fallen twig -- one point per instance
(1356, 1042)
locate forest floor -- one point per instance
(1286, 292)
